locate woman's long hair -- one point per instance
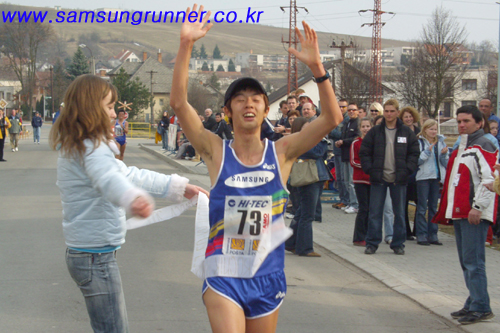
(83, 116)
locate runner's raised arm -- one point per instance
(201, 139)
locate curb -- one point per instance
(174, 163)
(429, 298)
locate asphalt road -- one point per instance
(325, 294)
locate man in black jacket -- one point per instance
(210, 123)
(223, 130)
(349, 132)
(389, 154)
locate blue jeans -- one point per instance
(98, 277)
(36, 134)
(428, 195)
(377, 200)
(470, 240)
(388, 218)
(164, 140)
(302, 238)
(349, 185)
(343, 194)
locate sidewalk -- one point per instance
(430, 275)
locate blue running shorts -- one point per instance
(258, 296)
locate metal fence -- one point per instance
(141, 130)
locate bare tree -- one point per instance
(436, 69)
(198, 96)
(21, 43)
(356, 82)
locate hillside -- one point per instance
(231, 38)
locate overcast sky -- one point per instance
(481, 17)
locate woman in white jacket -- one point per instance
(96, 190)
(431, 171)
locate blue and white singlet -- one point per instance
(246, 207)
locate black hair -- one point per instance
(344, 100)
(472, 110)
(218, 114)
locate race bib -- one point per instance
(401, 139)
(246, 219)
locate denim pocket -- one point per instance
(79, 266)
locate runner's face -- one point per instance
(109, 106)
(248, 109)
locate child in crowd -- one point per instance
(431, 171)
(96, 190)
(361, 185)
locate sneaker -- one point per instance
(459, 314)
(311, 254)
(487, 243)
(475, 317)
(388, 241)
(2, 160)
(436, 243)
(361, 243)
(38, 142)
(345, 207)
(289, 216)
(13, 149)
(351, 210)
(370, 250)
(17, 149)
(399, 251)
(425, 243)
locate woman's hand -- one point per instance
(444, 150)
(192, 31)
(192, 190)
(142, 207)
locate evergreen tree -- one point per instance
(79, 65)
(214, 81)
(131, 91)
(204, 67)
(231, 67)
(195, 53)
(61, 80)
(212, 67)
(203, 52)
(220, 68)
(216, 53)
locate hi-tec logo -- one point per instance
(250, 179)
(269, 167)
(280, 295)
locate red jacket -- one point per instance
(358, 176)
(469, 168)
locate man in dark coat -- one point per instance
(389, 154)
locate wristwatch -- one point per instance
(323, 78)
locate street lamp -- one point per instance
(83, 46)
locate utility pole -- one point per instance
(343, 46)
(52, 89)
(376, 66)
(292, 42)
(151, 72)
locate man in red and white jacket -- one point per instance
(471, 208)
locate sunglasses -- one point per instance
(343, 106)
(352, 110)
(373, 110)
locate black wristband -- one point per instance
(323, 78)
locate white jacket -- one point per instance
(94, 190)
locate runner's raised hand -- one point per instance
(309, 53)
(192, 31)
